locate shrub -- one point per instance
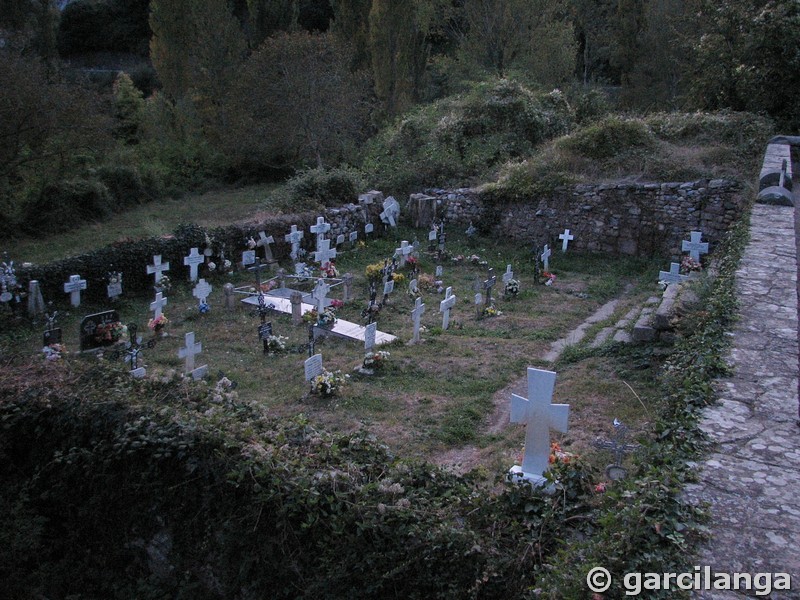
(326, 187)
(125, 185)
(608, 138)
(66, 204)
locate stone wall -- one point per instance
(630, 218)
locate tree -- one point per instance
(592, 20)
(267, 17)
(627, 47)
(297, 102)
(351, 25)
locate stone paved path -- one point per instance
(752, 479)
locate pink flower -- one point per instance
(600, 488)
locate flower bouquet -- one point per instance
(491, 311)
(548, 278)
(511, 288)
(329, 270)
(53, 352)
(326, 319)
(328, 384)
(164, 284)
(276, 344)
(375, 360)
(158, 324)
(688, 265)
(109, 333)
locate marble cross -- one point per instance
(369, 336)
(157, 268)
(445, 306)
(320, 294)
(313, 366)
(391, 210)
(294, 237)
(416, 314)
(403, 252)
(673, 275)
(566, 238)
(321, 228)
(188, 352)
(546, 257)
(73, 287)
(202, 290)
(157, 305)
(508, 275)
(194, 260)
(264, 242)
(324, 252)
(539, 416)
(488, 284)
(694, 246)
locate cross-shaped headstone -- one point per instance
(673, 275)
(508, 275)
(73, 287)
(695, 247)
(618, 446)
(416, 314)
(369, 336)
(565, 238)
(188, 352)
(293, 237)
(320, 294)
(546, 257)
(202, 290)
(391, 210)
(157, 268)
(539, 416)
(192, 261)
(158, 304)
(313, 366)
(321, 228)
(403, 251)
(324, 252)
(263, 242)
(488, 284)
(445, 306)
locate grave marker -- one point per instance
(353, 237)
(202, 291)
(347, 284)
(157, 268)
(296, 300)
(369, 336)
(313, 366)
(73, 287)
(673, 275)
(488, 284)
(694, 246)
(248, 258)
(369, 228)
(294, 237)
(264, 241)
(188, 352)
(391, 211)
(478, 305)
(565, 239)
(157, 305)
(403, 251)
(89, 326)
(114, 287)
(52, 334)
(416, 314)
(508, 275)
(230, 299)
(324, 252)
(439, 270)
(194, 260)
(320, 229)
(35, 300)
(340, 239)
(539, 415)
(445, 306)
(320, 294)
(546, 257)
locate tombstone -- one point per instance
(264, 241)
(416, 314)
(264, 333)
(478, 305)
(471, 231)
(132, 357)
(201, 291)
(188, 353)
(114, 287)
(618, 446)
(248, 258)
(694, 246)
(88, 331)
(194, 260)
(488, 284)
(439, 270)
(391, 212)
(35, 300)
(369, 336)
(296, 300)
(508, 275)
(324, 252)
(353, 238)
(320, 294)
(565, 239)
(388, 288)
(673, 275)
(313, 367)
(230, 299)
(157, 305)
(52, 334)
(293, 237)
(539, 416)
(320, 229)
(413, 287)
(403, 251)
(369, 228)
(347, 284)
(546, 257)
(340, 239)
(445, 306)
(157, 268)
(281, 278)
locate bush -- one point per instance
(325, 187)
(66, 204)
(608, 138)
(125, 185)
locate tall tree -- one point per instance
(627, 48)
(351, 25)
(267, 17)
(593, 24)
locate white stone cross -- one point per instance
(321, 228)
(159, 303)
(320, 294)
(416, 314)
(403, 251)
(539, 416)
(157, 268)
(313, 366)
(391, 210)
(369, 336)
(695, 247)
(445, 306)
(508, 275)
(673, 275)
(413, 286)
(192, 349)
(264, 242)
(324, 252)
(566, 238)
(546, 257)
(294, 237)
(202, 290)
(73, 287)
(192, 261)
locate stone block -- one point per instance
(643, 330)
(666, 310)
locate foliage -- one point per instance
(608, 138)
(128, 108)
(63, 205)
(324, 187)
(104, 25)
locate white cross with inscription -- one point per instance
(445, 306)
(320, 294)
(403, 251)
(192, 349)
(264, 242)
(673, 275)
(202, 290)
(566, 238)
(293, 237)
(508, 275)
(192, 261)
(159, 303)
(695, 247)
(416, 314)
(157, 268)
(73, 287)
(539, 416)
(546, 257)
(324, 252)
(321, 228)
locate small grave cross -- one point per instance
(194, 260)
(673, 275)
(73, 287)
(491, 280)
(202, 290)
(546, 257)
(321, 228)
(157, 268)
(188, 352)
(391, 210)
(618, 446)
(539, 415)
(416, 314)
(324, 252)
(264, 242)
(256, 269)
(403, 252)
(445, 306)
(294, 237)
(157, 305)
(508, 275)
(694, 246)
(565, 238)
(320, 294)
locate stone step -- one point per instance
(643, 330)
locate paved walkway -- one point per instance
(752, 479)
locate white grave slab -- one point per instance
(445, 306)
(340, 239)
(73, 287)
(313, 366)
(194, 260)
(694, 246)
(565, 238)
